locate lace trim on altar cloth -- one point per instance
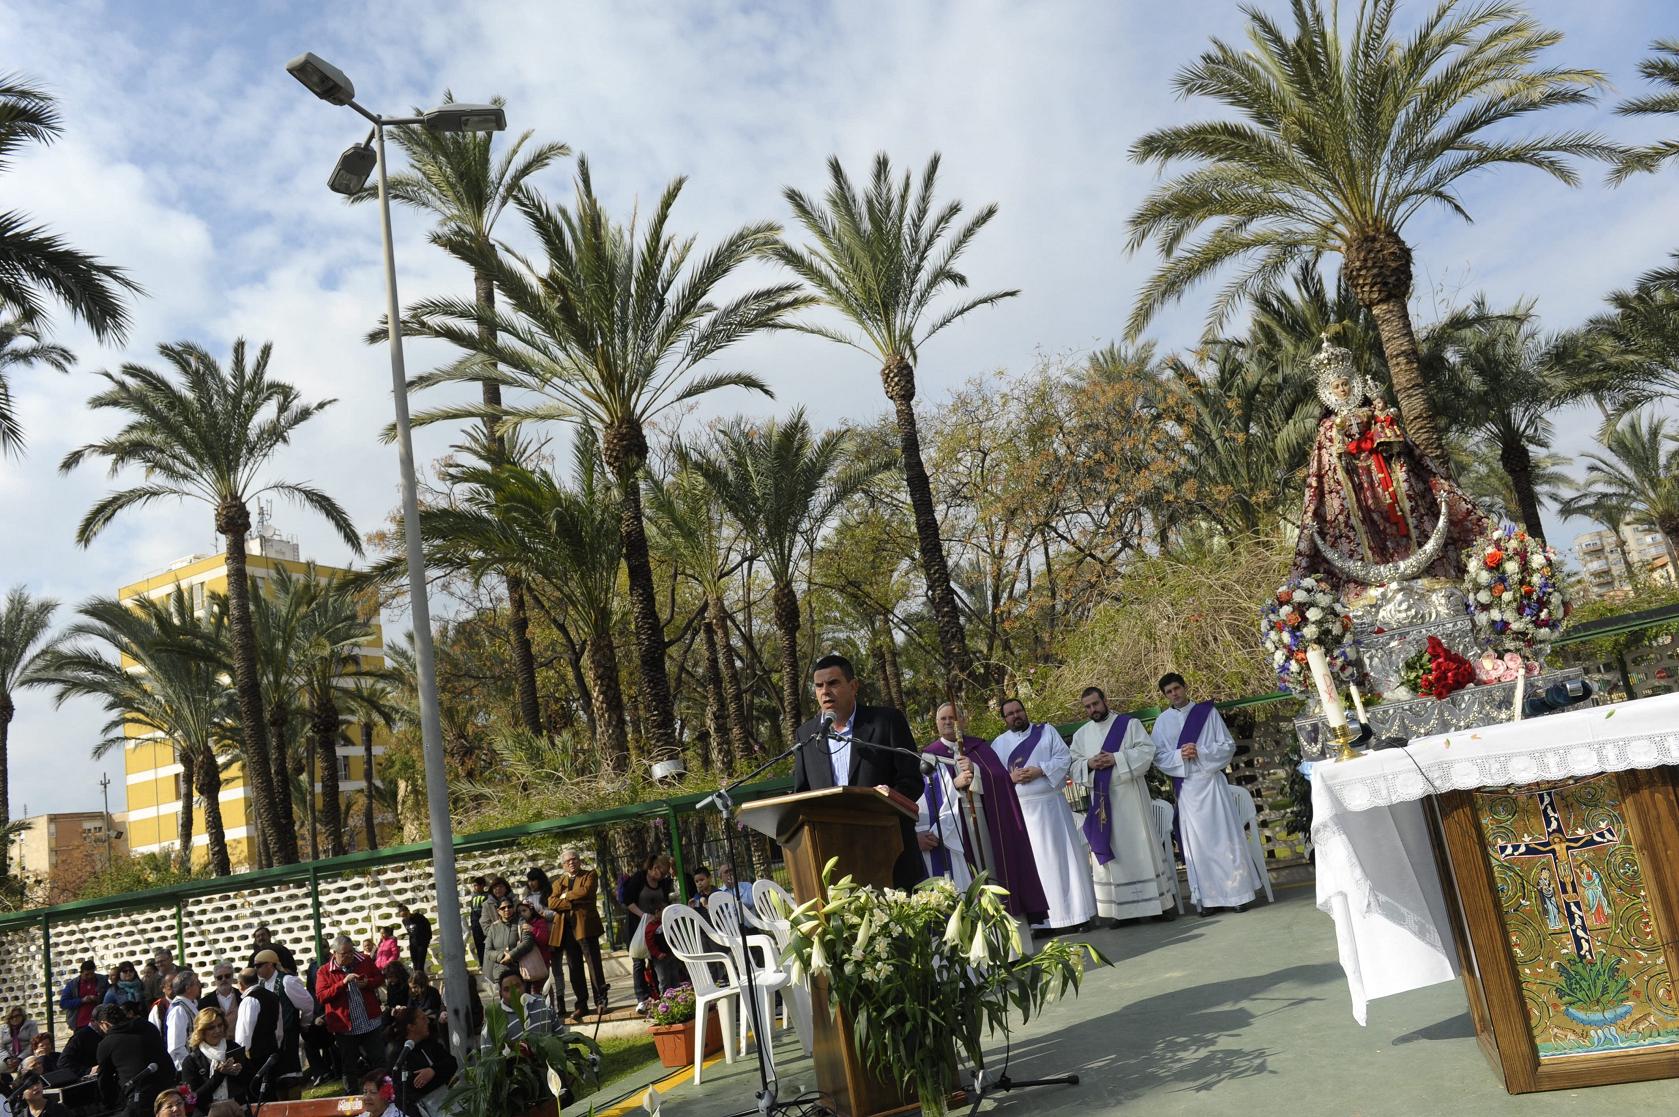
(1362, 897)
(1387, 781)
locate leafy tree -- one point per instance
(154, 665)
(210, 434)
(1340, 142)
(36, 265)
(1662, 69)
(610, 331)
(22, 344)
(882, 260)
(457, 179)
(25, 622)
(781, 484)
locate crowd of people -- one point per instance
(1002, 804)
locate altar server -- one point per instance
(1192, 746)
(1038, 760)
(1112, 754)
(938, 828)
(1005, 850)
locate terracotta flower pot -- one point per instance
(675, 1042)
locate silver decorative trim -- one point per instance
(1376, 574)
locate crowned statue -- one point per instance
(1376, 511)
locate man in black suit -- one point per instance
(820, 763)
(129, 1048)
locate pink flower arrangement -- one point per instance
(1506, 668)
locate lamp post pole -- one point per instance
(457, 982)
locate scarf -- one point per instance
(1096, 819)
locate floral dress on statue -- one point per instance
(1376, 510)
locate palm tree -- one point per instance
(1662, 68)
(1343, 141)
(334, 629)
(1638, 470)
(690, 529)
(564, 542)
(1482, 474)
(22, 344)
(1607, 511)
(155, 666)
(781, 484)
(1501, 386)
(24, 623)
(457, 179)
(207, 434)
(277, 617)
(371, 698)
(36, 265)
(881, 260)
(610, 332)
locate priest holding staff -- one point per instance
(1192, 745)
(1111, 755)
(1038, 759)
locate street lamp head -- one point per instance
(322, 78)
(354, 166)
(455, 117)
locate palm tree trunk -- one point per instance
(611, 735)
(658, 714)
(183, 831)
(325, 725)
(734, 704)
(1399, 346)
(786, 605)
(716, 716)
(1517, 461)
(311, 776)
(233, 520)
(894, 677)
(369, 831)
(7, 710)
(935, 570)
(215, 833)
(279, 749)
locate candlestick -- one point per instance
(1358, 704)
(1329, 697)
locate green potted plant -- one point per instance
(671, 1021)
(922, 977)
(511, 1077)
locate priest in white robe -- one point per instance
(1192, 745)
(1038, 760)
(938, 828)
(1111, 755)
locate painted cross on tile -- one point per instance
(1559, 848)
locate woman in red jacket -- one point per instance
(538, 927)
(345, 987)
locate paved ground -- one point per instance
(1235, 1014)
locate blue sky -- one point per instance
(192, 158)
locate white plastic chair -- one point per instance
(686, 930)
(773, 904)
(763, 954)
(1163, 815)
(1248, 817)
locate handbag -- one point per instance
(638, 941)
(532, 967)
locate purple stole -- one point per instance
(939, 855)
(1016, 869)
(1096, 818)
(1023, 751)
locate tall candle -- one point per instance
(1358, 704)
(1328, 696)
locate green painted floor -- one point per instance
(1235, 1014)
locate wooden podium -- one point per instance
(860, 827)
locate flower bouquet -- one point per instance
(1436, 671)
(1305, 611)
(1515, 597)
(1506, 668)
(925, 975)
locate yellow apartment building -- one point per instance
(153, 778)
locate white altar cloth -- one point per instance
(1376, 874)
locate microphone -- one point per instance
(128, 1087)
(827, 722)
(268, 1067)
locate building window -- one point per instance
(343, 768)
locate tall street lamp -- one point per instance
(350, 175)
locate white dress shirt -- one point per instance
(178, 1028)
(839, 752)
